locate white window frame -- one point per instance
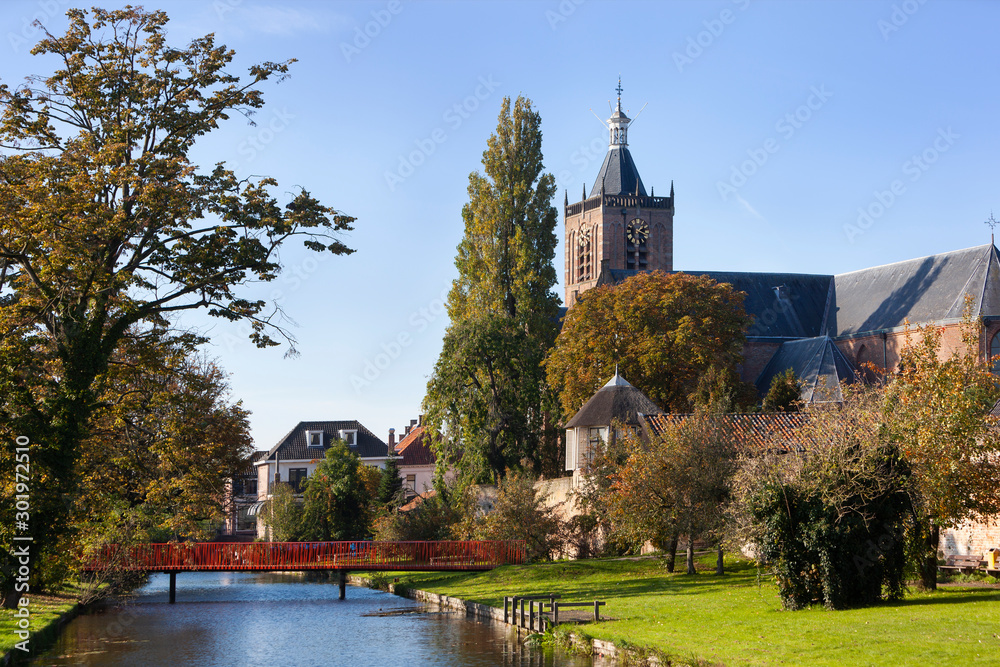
(309, 439)
(354, 436)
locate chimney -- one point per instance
(420, 421)
(392, 438)
(413, 422)
(406, 431)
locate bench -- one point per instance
(961, 564)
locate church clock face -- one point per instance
(637, 231)
(584, 237)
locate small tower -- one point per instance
(618, 230)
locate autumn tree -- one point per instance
(784, 394)
(936, 411)
(487, 397)
(664, 332)
(338, 497)
(106, 224)
(678, 483)
(390, 486)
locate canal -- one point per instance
(250, 619)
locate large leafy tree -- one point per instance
(106, 224)
(338, 498)
(936, 412)
(488, 397)
(664, 332)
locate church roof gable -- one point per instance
(818, 364)
(922, 290)
(618, 175)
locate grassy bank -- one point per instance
(46, 610)
(737, 619)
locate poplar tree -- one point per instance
(487, 397)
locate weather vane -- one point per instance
(992, 222)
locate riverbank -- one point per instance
(736, 619)
(49, 614)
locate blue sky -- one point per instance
(779, 124)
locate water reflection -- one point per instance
(272, 619)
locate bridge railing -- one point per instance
(351, 555)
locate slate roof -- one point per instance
(819, 365)
(618, 175)
(783, 305)
(923, 290)
(757, 433)
(294, 446)
(617, 400)
(415, 448)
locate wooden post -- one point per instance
(342, 583)
(531, 615)
(555, 613)
(520, 621)
(506, 613)
(597, 611)
(173, 587)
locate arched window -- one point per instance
(862, 355)
(583, 263)
(995, 353)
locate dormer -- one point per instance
(314, 439)
(349, 436)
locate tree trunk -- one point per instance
(719, 567)
(928, 566)
(690, 555)
(672, 552)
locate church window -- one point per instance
(995, 352)
(583, 264)
(636, 250)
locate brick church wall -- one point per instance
(972, 538)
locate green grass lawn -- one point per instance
(45, 609)
(737, 619)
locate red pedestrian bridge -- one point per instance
(342, 557)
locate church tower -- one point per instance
(618, 227)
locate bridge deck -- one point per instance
(282, 556)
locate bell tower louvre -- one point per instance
(618, 227)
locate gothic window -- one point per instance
(583, 263)
(636, 250)
(995, 352)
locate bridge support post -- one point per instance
(342, 583)
(173, 587)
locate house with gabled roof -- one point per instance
(296, 455)
(415, 458)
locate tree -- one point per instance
(106, 224)
(832, 525)
(784, 394)
(662, 331)
(336, 501)
(282, 514)
(936, 411)
(390, 486)
(678, 484)
(487, 397)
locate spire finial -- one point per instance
(619, 91)
(992, 222)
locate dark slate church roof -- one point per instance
(618, 175)
(294, 446)
(818, 364)
(927, 289)
(617, 400)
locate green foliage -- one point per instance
(431, 519)
(390, 485)
(665, 333)
(518, 511)
(282, 514)
(832, 525)
(487, 399)
(336, 501)
(784, 395)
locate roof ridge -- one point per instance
(913, 259)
